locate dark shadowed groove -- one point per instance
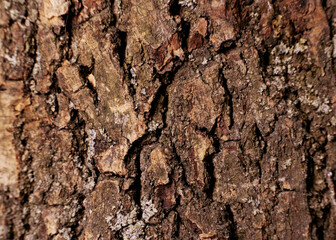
(184, 34)
(68, 18)
(208, 161)
(227, 46)
(84, 72)
(228, 96)
(179, 162)
(210, 169)
(232, 226)
(122, 47)
(174, 7)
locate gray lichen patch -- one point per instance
(122, 220)
(130, 226)
(148, 209)
(134, 232)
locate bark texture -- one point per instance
(167, 119)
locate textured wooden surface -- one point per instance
(167, 119)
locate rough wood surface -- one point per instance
(167, 119)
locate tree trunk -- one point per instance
(153, 119)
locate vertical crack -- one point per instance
(232, 226)
(122, 36)
(209, 164)
(68, 18)
(228, 97)
(174, 7)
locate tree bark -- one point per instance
(167, 119)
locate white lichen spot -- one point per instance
(334, 43)
(102, 131)
(269, 6)
(277, 60)
(90, 183)
(333, 121)
(262, 88)
(300, 46)
(205, 61)
(122, 220)
(120, 118)
(278, 82)
(277, 70)
(14, 14)
(331, 187)
(65, 233)
(37, 65)
(32, 86)
(134, 232)
(283, 49)
(133, 72)
(290, 69)
(324, 108)
(134, 82)
(291, 112)
(13, 59)
(255, 204)
(303, 159)
(143, 91)
(148, 209)
(152, 126)
(91, 143)
(131, 227)
(108, 219)
(316, 102)
(51, 101)
(287, 163)
(72, 105)
(188, 3)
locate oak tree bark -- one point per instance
(167, 119)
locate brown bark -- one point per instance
(152, 119)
